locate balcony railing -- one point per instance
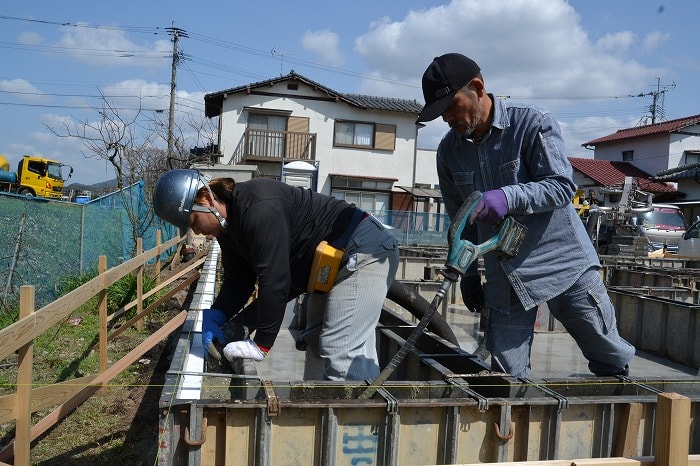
(262, 144)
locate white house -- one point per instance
(669, 151)
(354, 147)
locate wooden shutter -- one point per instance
(297, 144)
(385, 137)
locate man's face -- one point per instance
(464, 114)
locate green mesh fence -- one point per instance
(48, 241)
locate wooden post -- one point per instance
(139, 285)
(24, 383)
(672, 433)
(102, 309)
(159, 240)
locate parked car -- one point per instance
(689, 244)
(663, 225)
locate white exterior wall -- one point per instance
(650, 153)
(396, 164)
(683, 142)
(426, 170)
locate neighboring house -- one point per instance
(354, 147)
(652, 148)
(669, 151)
(595, 175)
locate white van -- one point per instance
(663, 225)
(689, 245)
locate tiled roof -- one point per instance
(385, 103)
(647, 130)
(214, 101)
(679, 173)
(607, 173)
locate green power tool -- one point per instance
(461, 254)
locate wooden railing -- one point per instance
(66, 396)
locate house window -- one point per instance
(691, 157)
(352, 134)
(627, 155)
(364, 135)
(372, 202)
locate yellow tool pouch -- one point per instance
(324, 267)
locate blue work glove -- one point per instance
(212, 320)
(492, 207)
(244, 349)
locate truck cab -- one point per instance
(37, 176)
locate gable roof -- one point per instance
(607, 173)
(213, 102)
(647, 130)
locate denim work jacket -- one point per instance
(523, 154)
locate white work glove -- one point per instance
(245, 349)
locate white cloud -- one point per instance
(110, 47)
(325, 45)
(530, 50)
(22, 90)
(654, 39)
(616, 43)
(30, 38)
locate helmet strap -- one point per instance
(222, 221)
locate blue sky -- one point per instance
(587, 61)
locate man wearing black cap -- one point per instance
(514, 154)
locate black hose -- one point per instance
(418, 306)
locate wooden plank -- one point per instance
(26, 329)
(672, 432)
(66, 408)
(155, 290)
(44, 397)
(628, 430)
(693, 460)
(152, 307)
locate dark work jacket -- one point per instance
(272, 233)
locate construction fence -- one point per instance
(48, 241)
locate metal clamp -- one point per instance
(273, 406)
(392, 404)
(460, 383)
(563, 401)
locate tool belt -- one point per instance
(324, 268)
(328, 255)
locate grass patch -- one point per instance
(100, 431)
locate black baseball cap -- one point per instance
(444, 77)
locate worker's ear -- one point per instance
(477, 85)
(209, 197)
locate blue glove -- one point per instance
(212, 320)
(492, 207)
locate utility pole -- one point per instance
(176, 33)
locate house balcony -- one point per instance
(267, 146)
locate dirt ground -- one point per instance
(132, 410)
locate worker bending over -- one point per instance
(289, 241)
